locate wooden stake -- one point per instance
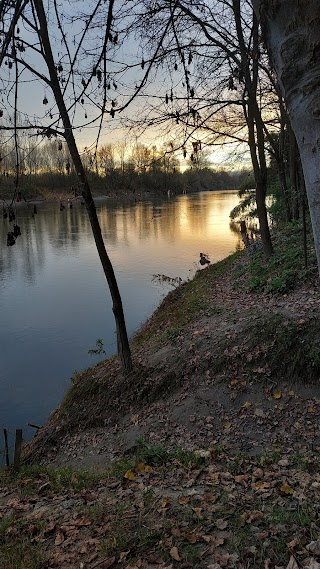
(17, 449)
(6, 447)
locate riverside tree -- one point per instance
(66, 55)
(216, 88)
(293, 38)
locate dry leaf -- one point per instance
(311, 563)
(260, 485)
(286, 489)
(182, 500)
(314, 547)
(129, 475)
(192, 537)
(175, 553)
(292, 563)
(277, 394)
(59, 539)
(82, 522)
(144, 467)
(105, 564)
(221, 524)
(165, 502)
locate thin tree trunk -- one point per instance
(122, 337)
(255, 124)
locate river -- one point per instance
(54, 300)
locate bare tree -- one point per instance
(47, 64)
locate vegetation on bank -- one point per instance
(289, 347)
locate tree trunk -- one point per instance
(293, 38)
(255, 124)
(122, 337)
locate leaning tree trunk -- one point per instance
(122, 337)
(292, 34)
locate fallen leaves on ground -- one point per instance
(233, 512)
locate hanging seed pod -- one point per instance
(45, 101)
(10, 64)
(176, 67)
(1, 113)
(192, 92)
(115, 39)
(16, 230)
(167, 99)
(171, 96)
(115, 85)
(85, 115)
(83, 83)
(99, 75)
(190, 58)
(60, 68)
(82, 101)
(112, 113)
(10, 239)
(142, 64)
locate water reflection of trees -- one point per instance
(63, 233)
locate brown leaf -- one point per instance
(82, 522)
(286, 489)
(105, 563)
(192, 537)
(311, 563)
(221, 524)
(314, 547)
(292, 563)
(59, 539)
(182, 500)
(129, 475)
(175, 553)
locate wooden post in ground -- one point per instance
(17, 449)
(6, 447)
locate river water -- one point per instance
(54, 300)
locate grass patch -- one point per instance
(285, 269)
(23, 555)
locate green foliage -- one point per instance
(98, 350)
(284, 270)
(164, 279)
(151, 454)
(173, 333)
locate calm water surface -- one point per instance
(54, 300)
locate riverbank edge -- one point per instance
(174, 359)
(211, 457)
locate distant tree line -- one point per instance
(114, 170)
